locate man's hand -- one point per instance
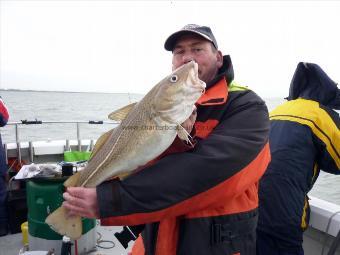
(81, 201)
(189, 123)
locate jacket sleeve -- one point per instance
(328, 154)
(230, 159)
(3, 113)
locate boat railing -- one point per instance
(18, 124)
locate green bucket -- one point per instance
(43, 197)
(74, 156)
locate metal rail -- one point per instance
(16, 124)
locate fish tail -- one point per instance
(60, 222)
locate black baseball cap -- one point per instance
(203, 31)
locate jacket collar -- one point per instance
(216, 94)
(217, 90)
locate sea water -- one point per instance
(69, 106)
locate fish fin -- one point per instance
(184, 135)
(100, 142)
(60, 222)
(121, 113)
(72, 180)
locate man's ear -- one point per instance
(219, 57)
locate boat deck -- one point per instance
(316, 242)
(107, 244)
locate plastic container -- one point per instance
(24, 231)
(43, 197)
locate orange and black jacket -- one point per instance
(202, 201)
(304, 138)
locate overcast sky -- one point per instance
(117, 46)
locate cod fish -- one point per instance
(147, 129)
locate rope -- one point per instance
(100, 242)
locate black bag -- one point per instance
(17, 206)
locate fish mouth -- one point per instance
(195, 66)
(195, 80)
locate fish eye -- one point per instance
(173, 78)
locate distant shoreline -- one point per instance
(59, 91)
(92, 92)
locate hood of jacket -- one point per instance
(311, 82)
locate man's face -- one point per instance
(193, 47)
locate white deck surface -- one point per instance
(11, 244)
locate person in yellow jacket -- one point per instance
(304, 138)
(201, 200)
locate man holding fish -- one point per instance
(199, 196)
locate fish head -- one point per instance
(177, 94)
